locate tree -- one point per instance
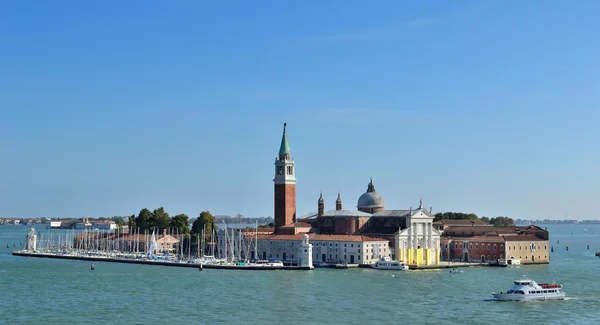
(119, 223)
(205, 219)
(502, 221)
(181, 223)
(455, 216)
(160, 219)
(131, 223)
(143, 220)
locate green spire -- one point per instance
(285, 146)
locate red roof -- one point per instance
(319, 237)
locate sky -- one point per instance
(485, 107)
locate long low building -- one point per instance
(480, 242)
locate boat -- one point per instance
(598, 253)
(528, 290)
(511, 261)
(342, 266)
(386, 263)
(323, 264)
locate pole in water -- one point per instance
(92, 267)
(551, 249)
(200, 268)
(567, 248)
(558, 241)
(588, 246)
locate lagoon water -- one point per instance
(50, 291)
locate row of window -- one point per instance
(514, 247)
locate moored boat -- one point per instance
(387, 263)
(528, 290)
(511, 261)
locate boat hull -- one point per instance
(393, 268)
(528, 297)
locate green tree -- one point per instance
(131, 223)
(180, 223)
(455, 216)
(160, 219)
(119, 223)
(143, 220)
(502, 221)
(205, 219)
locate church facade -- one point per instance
(360, 236)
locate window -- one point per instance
(477, 246)
(327, 223)
(280, 171)
(359, 250)
(489, 247)
(471, 245)
(495, 247)
(351, 245)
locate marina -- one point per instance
(62, 281)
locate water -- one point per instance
(48, 291)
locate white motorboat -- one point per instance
(511, 261)
(387, 263)
(527, 290)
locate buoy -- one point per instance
(552, 249)
(588, 246)
(558, 241)
(567, 248)
(92, 267)
(200, 268)
(7, 245)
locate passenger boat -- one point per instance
(527, 290)
(387, 263)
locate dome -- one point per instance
(370, 199)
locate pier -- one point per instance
(153, 262)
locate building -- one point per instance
(358, 236)
(464, 240)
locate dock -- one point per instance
(159, 263)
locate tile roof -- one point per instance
(448, 222)
(345, 213)
(522, 238)
(319, 237)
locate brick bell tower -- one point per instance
(285, 185)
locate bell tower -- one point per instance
(285, 185)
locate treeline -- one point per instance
(555, 222)
(496, 221)
(240, 219)
(159, 220)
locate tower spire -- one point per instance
(284, 149)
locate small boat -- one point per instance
(386, 263)
(324, 264)
(511, 261)
(597, 253)
(342, 266)
(528, 290)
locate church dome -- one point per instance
(370, 199)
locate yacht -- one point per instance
(526, 290)
(387, 263)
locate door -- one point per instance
(324, 257)
(466, 258)
(532, 259)
(351, 259)
(264, 255)
(284, 256)
(482, 259)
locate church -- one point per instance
(360, 236)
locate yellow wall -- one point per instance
(522, 251)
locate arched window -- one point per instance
(327, 223)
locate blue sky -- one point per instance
(488, 107)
